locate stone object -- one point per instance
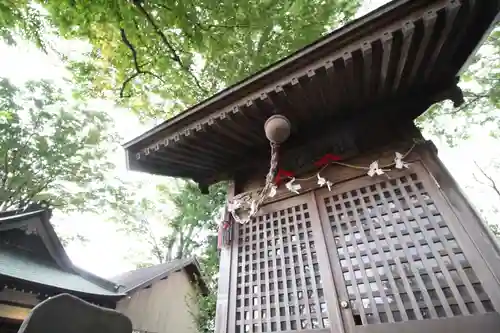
(69, 314)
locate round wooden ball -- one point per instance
(277, 128)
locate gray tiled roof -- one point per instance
(55, 268)
(16, 264)
(31, 251)
(135, 278)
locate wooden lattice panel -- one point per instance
(279, 287)
(398, 258)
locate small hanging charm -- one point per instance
(233, 205)
(322, 182)
(273, 191)
(253, 208)
(239, 207)
(398, 161)
(293, 187)
(375, 169)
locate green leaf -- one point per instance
(44, 153)
(167, 39)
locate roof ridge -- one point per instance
(148, 267)
(135, 280)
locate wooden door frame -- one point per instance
(332, 297)
(226, 321)
(476, 231)
(361, 180)
(465, 236)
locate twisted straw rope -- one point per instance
(272, 170)
(352, 166)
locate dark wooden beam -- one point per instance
(407, 32)
(429, 23)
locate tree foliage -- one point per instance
(481, 86)
(495, 229)
(159, 56)
(179, 222)
(21, 17)
(52, 150)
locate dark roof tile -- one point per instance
(140, 277)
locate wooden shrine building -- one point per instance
(34, 266)
(358, 226)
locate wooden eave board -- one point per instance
(397, 57)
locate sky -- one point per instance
(110, 252)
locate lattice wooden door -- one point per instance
(397, 254)
(276, 273)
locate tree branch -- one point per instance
(15, 193)
(225, 26)
(156, 248)
(169, 244)
(204, 26)
(37, 190)
(174, 55)
(139, 37)
(474, 98)
(180, 249)
(5, 167)
(137, 66)
(264, 38)
(492, 183)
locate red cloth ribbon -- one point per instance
(326, 159)
(281, 175)
(219, 238)
(223, 235)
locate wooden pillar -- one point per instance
(224, 290)
(479, 234)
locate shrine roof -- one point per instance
(403, 57)
(142, 277)
(31, 252)
(28, 268)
